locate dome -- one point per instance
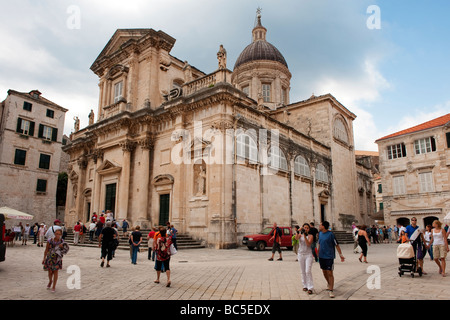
(260, 50)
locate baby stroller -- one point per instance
(407, 259)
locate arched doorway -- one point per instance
(403, 222)
(429, 220)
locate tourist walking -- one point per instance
(76, 233)
(18, 232)
(41, 235)
(51, 231)
(327, 246)
(106, 242)
(173, 236)
(415, 236)
(53, 254)
(136, 239)
(99, 228)
(150, 243)
(355, 239)
(428, 243)
(440, 246)
(363, 242)
(125, 226)
(295, 243)
(315, 233)
(26, 234)
(35, 232)
(276, 234)
(305, 257)
(163, 256)
(91, 230)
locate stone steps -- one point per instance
(183, 241)
(344, 237)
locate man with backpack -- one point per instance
(276, 234)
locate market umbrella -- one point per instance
(15, 214)
(447, 218)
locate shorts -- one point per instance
(326, 264)
(439, 251)
(276, 247)
(160, 263)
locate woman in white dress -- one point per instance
(305, 257)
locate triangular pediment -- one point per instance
(130, 38)
(108, 167)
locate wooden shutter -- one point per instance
(19, 125)
(31, 130)
(448, 139)
(41, 131)
(54, 134)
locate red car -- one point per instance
(261, 240)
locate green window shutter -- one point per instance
(41, 185)
(54, 134)
(44, 161)
(19, 125)
(20, 156)
(31, 131)
(41, 131)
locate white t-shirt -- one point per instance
(51, 232)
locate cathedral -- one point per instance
(219, 155)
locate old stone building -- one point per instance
(415, 174)
(31, 134)
(220, 154)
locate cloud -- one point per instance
(326, 44)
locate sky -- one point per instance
(386, 61)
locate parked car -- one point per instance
(261, 241)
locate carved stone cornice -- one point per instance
(146, 143)
(127, 145)
(222, 125)
(82, 162)
(97, 154)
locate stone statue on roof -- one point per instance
(222, 57)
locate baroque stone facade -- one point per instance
(218, 155)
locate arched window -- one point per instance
(340, 131)
(277, 158)
(321, 173)
(301, 167)
(246, 148)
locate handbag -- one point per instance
(173, 250)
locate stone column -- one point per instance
(124, 182)
(146, 145)
(82, 165)
(98, 156)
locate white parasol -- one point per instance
(15, 214)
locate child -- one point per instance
(54, 251)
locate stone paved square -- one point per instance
(209, 274)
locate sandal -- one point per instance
(310, 292)
(168, 284)
(156, 281)
(305, 289)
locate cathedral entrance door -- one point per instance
(164, 205)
